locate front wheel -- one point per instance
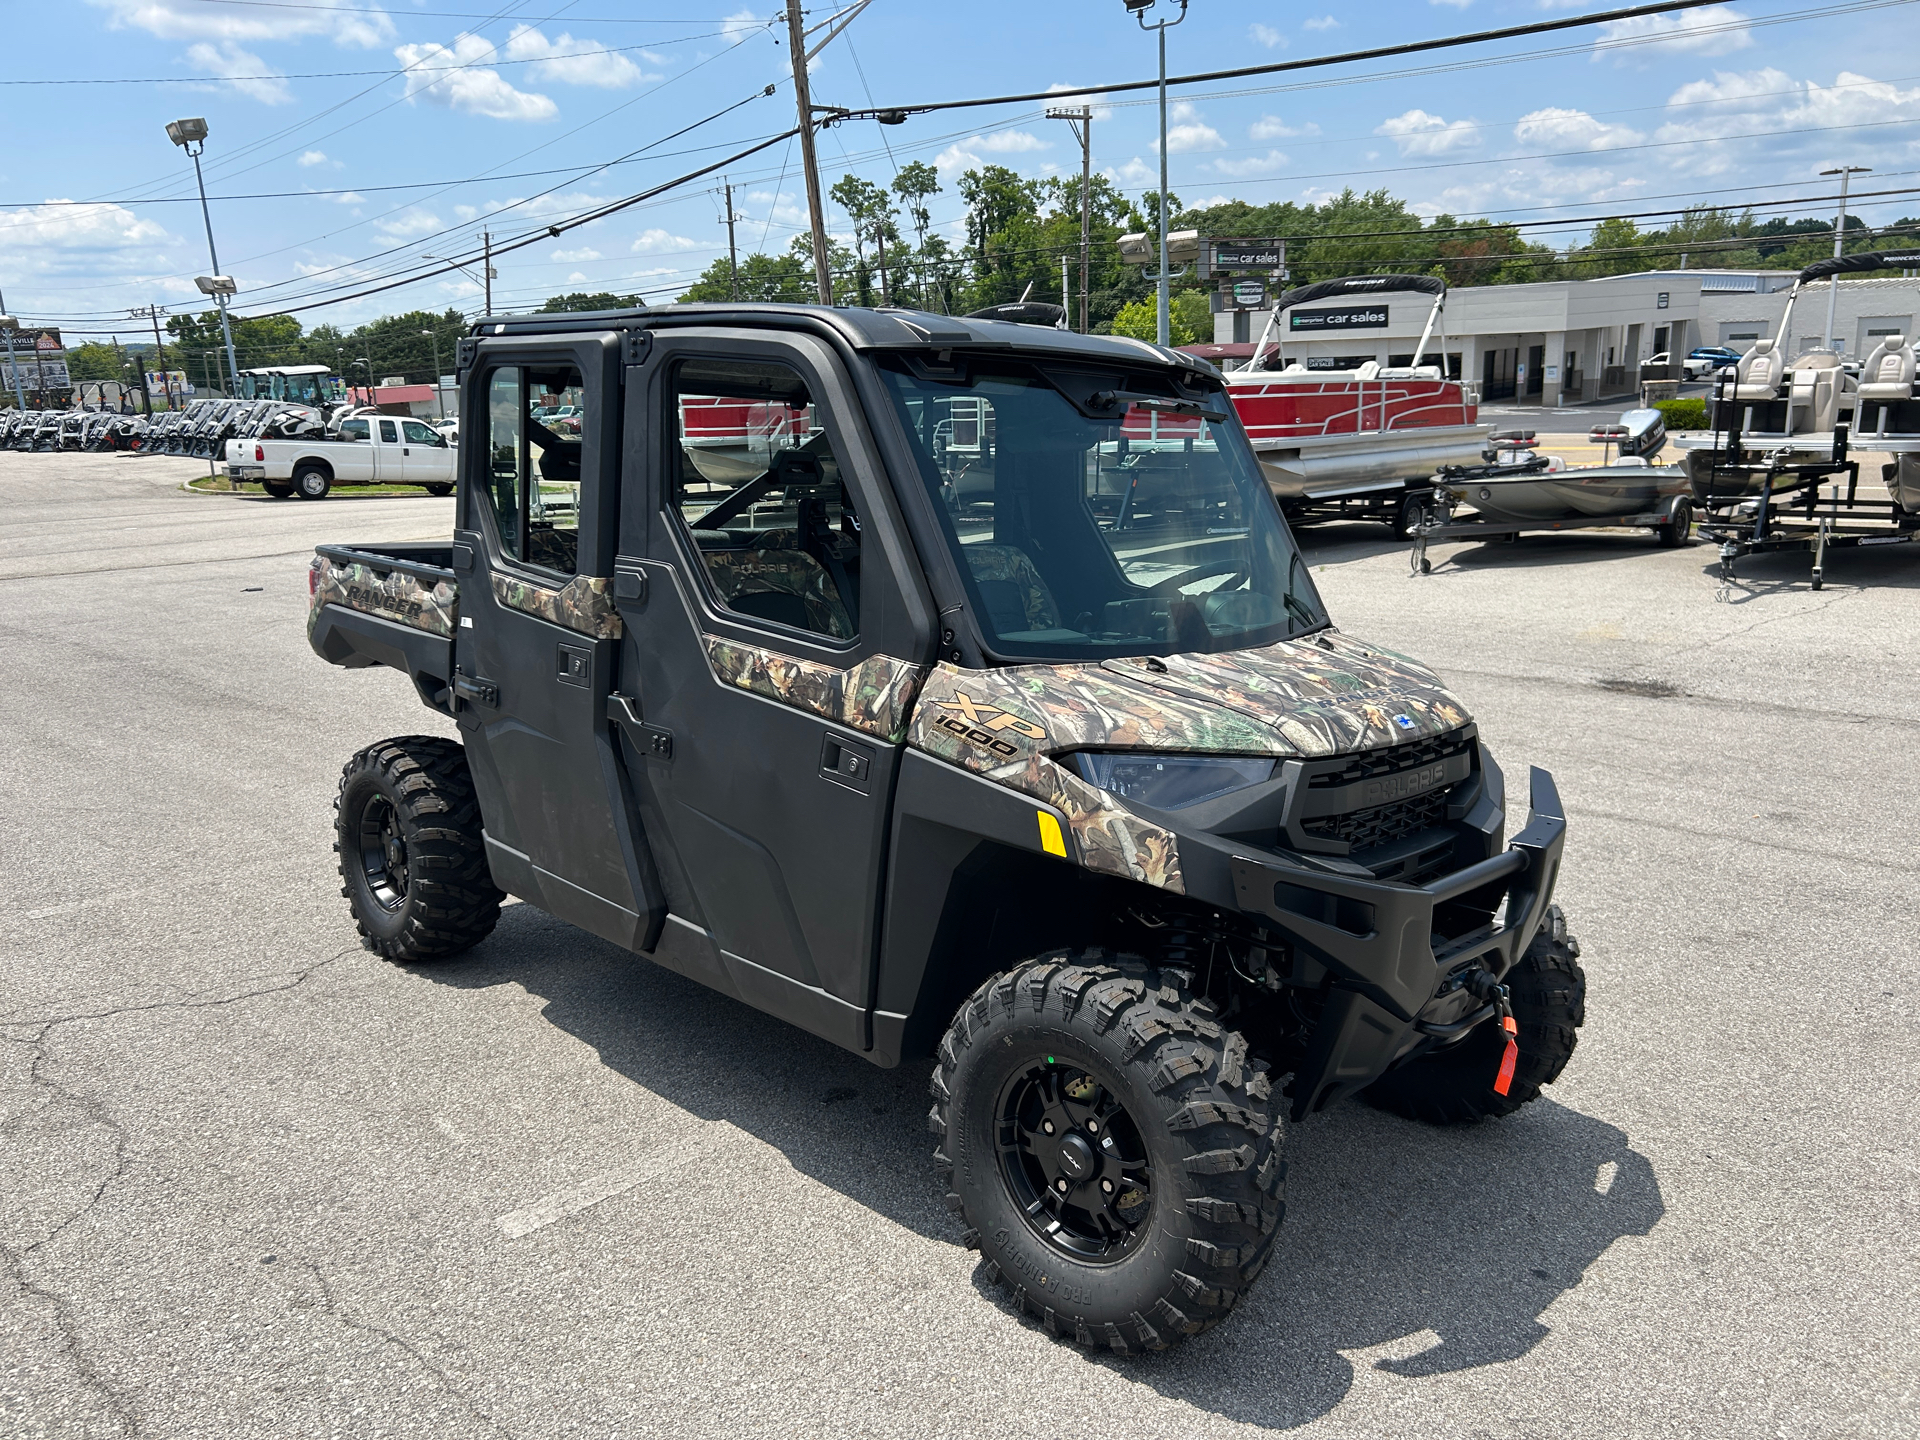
(1112, 1153)
(1548, 992)
(408, 833)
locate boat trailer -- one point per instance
(1789, 512)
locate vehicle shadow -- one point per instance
(1453, 1242)
(1860, 567)
(1537, 548)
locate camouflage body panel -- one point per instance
(737, 573)
(584, 603)
(390, 594)
(876, 696)
(1328, 695)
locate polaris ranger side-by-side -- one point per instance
(954, 688)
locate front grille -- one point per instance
(1391, 760)
(1363, 829)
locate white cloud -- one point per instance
(1324, 22)
(1252, 165)
(576, 275)
(447, 76)
(1418, 133)
(1266, 35)
(345, 22)
(1182, 139)
(412, 221)
(739, 25)
(1134, 172)
(653, 242)
(1684, 32)
(1007, 142)
(574, 257)
(309, 158)
(575, 62)
(1763, 102)
(243, 70)
(1272, 127)
(1566, 129)
(56, 239)
(347, 197)
(1457, 4)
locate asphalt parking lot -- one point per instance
(255, 1182)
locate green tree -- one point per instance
(781, 279)
(1189, 319)
(94, 361)
(581, 300)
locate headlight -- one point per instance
(1169, 782)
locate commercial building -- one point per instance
(1570, 340)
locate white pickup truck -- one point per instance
(369, 450)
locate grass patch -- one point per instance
(220, 485)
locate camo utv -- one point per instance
(954, 689)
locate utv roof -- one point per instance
(861, 329)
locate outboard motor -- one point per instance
(1509, 447)
(1646, 433)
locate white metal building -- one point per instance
(1537, 344)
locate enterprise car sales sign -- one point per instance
(1359, 317)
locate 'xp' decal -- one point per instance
(984, 725)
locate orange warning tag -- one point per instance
(1503, 1081)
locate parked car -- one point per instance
(1704, 361)
(370, 449)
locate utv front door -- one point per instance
(537, 639)
(773, 639)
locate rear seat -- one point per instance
(778, 582)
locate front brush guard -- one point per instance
(1378, 940)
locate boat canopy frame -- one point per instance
(1361, 285)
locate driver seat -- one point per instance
(1011, 589)
(1759, 373)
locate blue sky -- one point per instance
(503, 107)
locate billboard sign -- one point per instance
(1222, 257)
(1358, 317)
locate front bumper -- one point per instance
(1392, 950)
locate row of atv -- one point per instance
(202, 428)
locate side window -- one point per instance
(419, 434)
(353, 430)
(533, 463)
(755, 484)
(389, 433)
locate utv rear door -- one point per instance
(774, 632)
(538, 635)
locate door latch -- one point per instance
(846, 763)
(649, 739)
(480, 692)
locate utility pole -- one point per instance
(486, 272)
(733, 254)
(1080, 117)
(1845, 172)
(803, 97)
(153, 313)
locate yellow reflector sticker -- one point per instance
(1051, 840)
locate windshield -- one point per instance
(1145, 532)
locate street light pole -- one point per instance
(191, 136)
(1162, 321)
(1845, 172)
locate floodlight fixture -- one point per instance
(187, 132)
(216, 284)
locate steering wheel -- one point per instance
(1171, 585)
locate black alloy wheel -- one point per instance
(383, 853)
(1074, 1161)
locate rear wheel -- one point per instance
(1548, 991)
(1112, 1153)
(408, 833)
(312, 483)
(1410, 515)
(440, 488)
(1678, 531)
(278, 489)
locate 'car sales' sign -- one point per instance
(1360, 317)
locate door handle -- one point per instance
(481, 692)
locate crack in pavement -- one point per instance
(98, 1113)
(331, 1305)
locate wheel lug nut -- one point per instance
(1107, 1185)
(1093, 1127)
(1047, 1125)
(1061, 1186)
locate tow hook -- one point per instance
(1496, 1000)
